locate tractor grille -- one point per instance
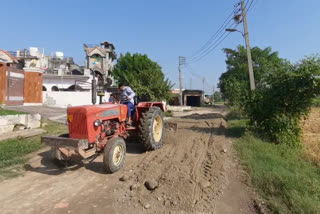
(78, 126)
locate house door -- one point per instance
(15, 86)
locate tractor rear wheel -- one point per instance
(151, 129)
(114, 154)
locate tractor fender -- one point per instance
(147, 105)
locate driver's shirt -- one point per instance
(128, 92)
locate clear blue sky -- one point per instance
(162, 29)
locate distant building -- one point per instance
(10, 60)
(189, 97)
(100, 59)
(56, 64)
(28, 76)
(60, 73)
(18, 86)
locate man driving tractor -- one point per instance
(127, 99)
(103, 128)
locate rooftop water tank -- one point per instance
(34, 51)
(59, 55)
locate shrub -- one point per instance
(276, 108)
(168, 114)
(316, 102)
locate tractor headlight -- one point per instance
(97, 123)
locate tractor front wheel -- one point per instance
(114, 154)
(151, 128)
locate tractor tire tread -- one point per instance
(145, 129)
(108, 164)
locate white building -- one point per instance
(100, 59)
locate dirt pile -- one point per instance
(311, 135)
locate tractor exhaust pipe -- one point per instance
(94, 90)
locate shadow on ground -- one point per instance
(49, 166)
(234, 132)
(204, 116)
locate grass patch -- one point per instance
(288, 182)
(168, 114)
(219, 103)
(237, 128)
(316, 102)
(10, 112)
(13, 152)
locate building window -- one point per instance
(96, 59)
(44, 88)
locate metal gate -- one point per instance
(15, 86)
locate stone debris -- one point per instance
(151, 184)
(134, 186)
(205, 184)
(124, 178)
(61, 205)
(147, 206)
(224, 150)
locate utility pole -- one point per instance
(203, 80)
(213, 94)
(182, 61)
(203, 95)
(246, 35)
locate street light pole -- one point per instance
(246, 35)
(182, 61)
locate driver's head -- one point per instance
(121, 86)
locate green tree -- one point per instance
(234, 83)
(144, 76)
(217, 96)
(284, 92)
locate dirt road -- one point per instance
(195, 172)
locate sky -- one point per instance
(164, 30)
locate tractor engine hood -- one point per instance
(81, 119)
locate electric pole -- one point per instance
(213, 94)
(203, 80)
(246, 35)
(182, 61)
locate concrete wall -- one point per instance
(178, 108)
(64, 99)
(65, 81)
(8, 122)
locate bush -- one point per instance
(168, 114)
(276, 108)
(316, 102)
(217, 97)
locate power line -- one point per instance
(214, 36)
(190, 70)
(213, 46)
(252, 4)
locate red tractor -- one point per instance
(102, 128)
